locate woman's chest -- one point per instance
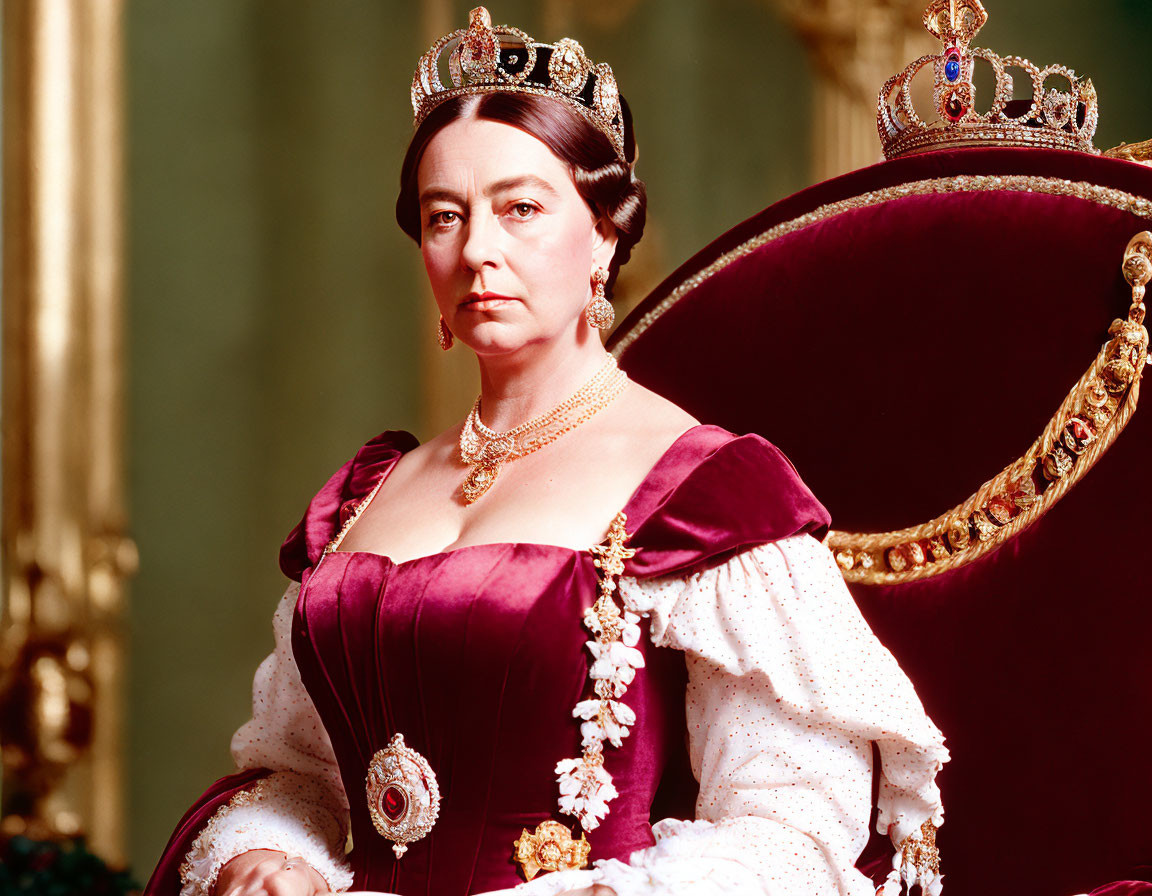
(491, 622)
(478, 658)
(419, 510)
(456, 646)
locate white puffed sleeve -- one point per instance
(788, 688)
(301, 808)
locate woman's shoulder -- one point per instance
(695, 454)
(639, 428)
(653, 413)
(713, 493)
(334, 503)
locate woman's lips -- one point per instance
(486, 302)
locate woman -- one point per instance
(431, 689)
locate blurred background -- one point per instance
(208, 307)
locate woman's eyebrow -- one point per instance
(516, 183)
(531, 181)
(439, 194)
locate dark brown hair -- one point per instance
(604, 182)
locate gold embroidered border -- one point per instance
(964, 183)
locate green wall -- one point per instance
(272, 309)
(274, 304)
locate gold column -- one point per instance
(855, 46)
(63, 551)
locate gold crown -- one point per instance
(1057, 118)
(486, 59)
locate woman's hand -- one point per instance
(267, 872)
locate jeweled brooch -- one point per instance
(403, 796)
(551, 848)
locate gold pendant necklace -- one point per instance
(486, 451)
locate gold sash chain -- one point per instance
(585, 786)
(1092, 416)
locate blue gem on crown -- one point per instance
(1063, 111)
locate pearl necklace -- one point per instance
(486, 450)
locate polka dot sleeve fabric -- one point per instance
(788, 688)
(300, 809)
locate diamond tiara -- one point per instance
(487, 59)
(1056, 119)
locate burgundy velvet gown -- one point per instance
(476, 655)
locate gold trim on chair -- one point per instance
(1076, 437)
(964, 183)
(1091, 417)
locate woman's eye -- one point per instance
(523, 210)
(442, 219)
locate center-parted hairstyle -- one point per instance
(551, 92)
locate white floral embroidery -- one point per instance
(201, 867)
(615, 663)
(279, 813)
(605, 720)
(916, 863)
(585, 786)
(585, 791)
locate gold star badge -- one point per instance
(550, 848)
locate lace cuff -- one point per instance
(282, 812)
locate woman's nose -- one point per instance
(481, 243)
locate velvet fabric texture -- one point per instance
(1125, 888)
(476, 655)
(902, 355)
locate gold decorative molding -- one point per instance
(854, 46)
(64, 552)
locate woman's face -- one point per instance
(508, 242)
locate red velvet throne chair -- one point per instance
(904, 334)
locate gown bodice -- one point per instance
(476, 656)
